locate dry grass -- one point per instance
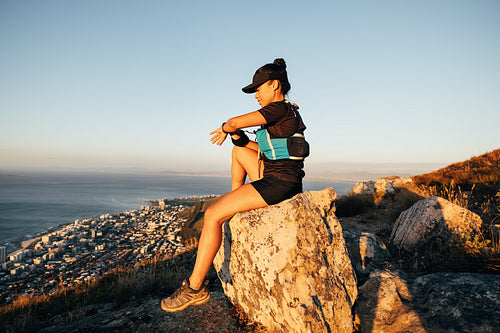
(451, 192)
(459, 254)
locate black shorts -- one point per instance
(274, 190)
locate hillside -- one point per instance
(473, 184)
(483, 169)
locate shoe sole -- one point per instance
(182, 307)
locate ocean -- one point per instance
(38, 201)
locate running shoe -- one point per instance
(184, 297)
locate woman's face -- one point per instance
(266, 93)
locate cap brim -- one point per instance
(259, 79)
(252, 87)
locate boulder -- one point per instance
(381, 186)
(441, 302)
(367, 187)
(367, 252)
(287, 265)
(433, 218)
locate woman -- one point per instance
(280, 147)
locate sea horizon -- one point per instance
(341, 177)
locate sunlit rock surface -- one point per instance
(287, 265)
(433, 218)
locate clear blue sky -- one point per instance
(124, 85)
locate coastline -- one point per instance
(25, 244)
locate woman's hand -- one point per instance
(218, 136)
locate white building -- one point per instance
(46, 238)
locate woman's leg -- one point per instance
(244, 161)
(242, 199)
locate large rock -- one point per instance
(287, 265)
(433, 218)
(367, 252)
(441, 302)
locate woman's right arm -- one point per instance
(247, 120)
(233, 124)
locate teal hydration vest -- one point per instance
(294, 147)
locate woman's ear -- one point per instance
(276, 84)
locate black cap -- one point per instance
(258, 79)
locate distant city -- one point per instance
(83, 250)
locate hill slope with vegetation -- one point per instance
(473, 184)
(483, 169)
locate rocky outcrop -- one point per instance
(371, 187)
(381, 186)
(367, 253)
(442, 302)
(433, 218)
(287, 265)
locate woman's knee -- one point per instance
(244, 156)
(236, 152)
(211, 217)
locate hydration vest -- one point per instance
(294, 147)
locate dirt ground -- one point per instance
(146, 315)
